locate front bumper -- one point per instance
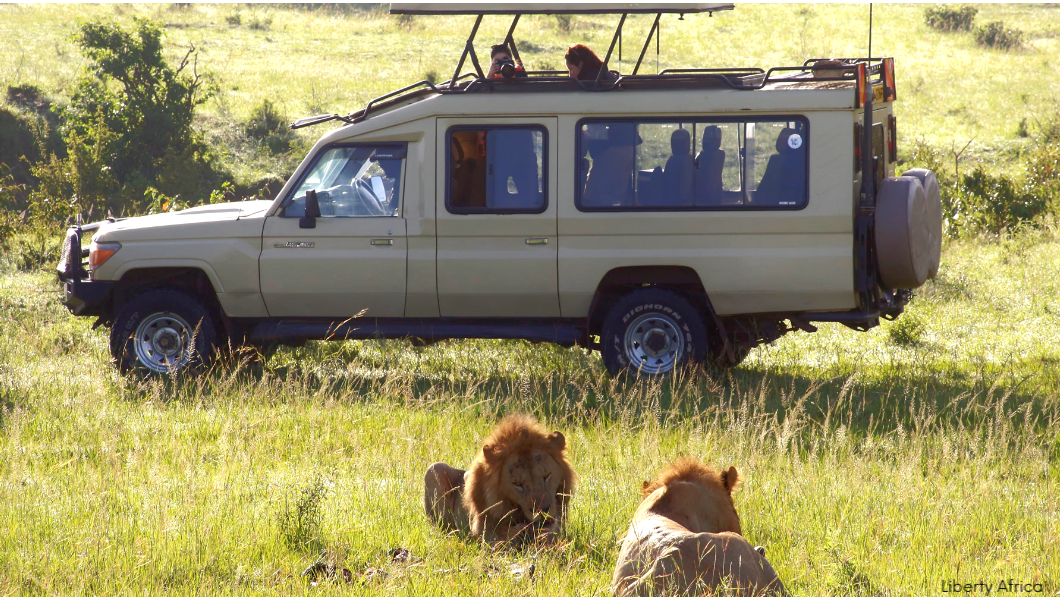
(83, 296)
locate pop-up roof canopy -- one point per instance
(546, 8)
(551, 8)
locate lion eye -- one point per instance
(547, 477)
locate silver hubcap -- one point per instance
(162, 341)
(654, 343)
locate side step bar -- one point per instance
(564, 333)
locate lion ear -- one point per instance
(489, 453)
(730, 479)
(646, 488)
(557, 440)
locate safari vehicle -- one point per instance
(679, 217)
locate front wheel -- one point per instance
(652, 332)
(162, 331)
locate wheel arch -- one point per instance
(192, 280)
(622, 280)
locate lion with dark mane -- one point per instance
(685, 539)
(516, 489)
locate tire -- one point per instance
(675, 327)
(162, 331)
(934, 214)
(906, 239)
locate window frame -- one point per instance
(404, 146)
(476, 210)
(696, 120)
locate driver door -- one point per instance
(353, 258)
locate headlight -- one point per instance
(100, 253)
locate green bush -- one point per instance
(946, 18)
(268, 126)
(996, 35)
(993, 203)
(128, 128)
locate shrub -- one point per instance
(946, 18)
(234, 20)
(995, 35)
(299, 521)
(268, 126)
(128, 126)
(260, 24)
(12, 215)
(564, 22)
(992, 203)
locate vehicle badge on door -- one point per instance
(795, 141)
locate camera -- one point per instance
(506, 68)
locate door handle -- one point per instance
(383, 242)
(536, 241)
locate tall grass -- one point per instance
(871, 463)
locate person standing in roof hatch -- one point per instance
(584, 65)
(501, 64)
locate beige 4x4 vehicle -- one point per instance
(680, 217)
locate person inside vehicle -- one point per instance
(501, 64)
(584, 65)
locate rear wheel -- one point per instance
(162, 331)
(652, 332)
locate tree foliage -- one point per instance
(132, 91)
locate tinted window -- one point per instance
(352, 181)
(496, 170)
(692, 164)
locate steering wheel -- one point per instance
(371, 204)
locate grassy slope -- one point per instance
(307, 62)
(870, 466)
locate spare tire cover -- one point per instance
(904, 244)
(934, 212)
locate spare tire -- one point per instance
(934, 213)
(904, 244)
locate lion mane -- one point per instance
(519, 483)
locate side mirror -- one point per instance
(312, 211)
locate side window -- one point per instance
(352, 181)
(691, 164)
(778, 167)
(496, 170)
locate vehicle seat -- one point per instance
(709, 165)
(610, 180)
(678, 176)
(784, 180)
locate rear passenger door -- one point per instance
(496, 213)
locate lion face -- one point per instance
(532, 482)
(519, 483)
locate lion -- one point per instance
(516, 489)
(685, 539)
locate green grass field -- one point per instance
(886, 462)
(873, 463)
